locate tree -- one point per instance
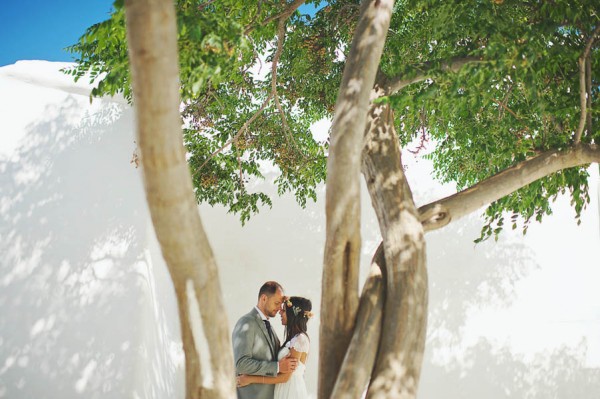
(504, 91)
(151, 31)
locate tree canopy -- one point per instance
(487, 83)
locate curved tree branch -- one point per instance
(588, 90)
(280, 39)
(439, 213)
(285, 14)
(584, 97)
(582, 101)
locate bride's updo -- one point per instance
(297, 311)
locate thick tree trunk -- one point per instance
(342, 247)
(439, 213)
(151, 34)
(398, 365)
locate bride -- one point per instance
(294, 316)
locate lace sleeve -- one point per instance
(301, 343)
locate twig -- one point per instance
(235, 137)
(399, 82)
(258, 10)
(338, 15)
(239, 160)
(204, 5)
(422, 141)
(423, 129)
(505, 101)
(256, 56)
(510, 111)
(277, 56)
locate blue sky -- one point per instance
(41, 29)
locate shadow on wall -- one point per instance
(496, 373)
(76, 311)
(465, 277)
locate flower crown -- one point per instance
(297, 309)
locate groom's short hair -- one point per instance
(269, 288)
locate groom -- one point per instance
(255, 344)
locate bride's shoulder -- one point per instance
(301, 337)
(300, 342)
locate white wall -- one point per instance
(82, 309)
(86, 306)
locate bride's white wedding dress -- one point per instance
(295, 387)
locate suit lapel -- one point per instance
(276, 343)
(272, 344)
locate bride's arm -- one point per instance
(301, 356)
(244, 379)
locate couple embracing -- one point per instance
(267, 369)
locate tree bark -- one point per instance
(398, 365)
(152, 40)
(357, 367)
(342, 245)
(439, 213)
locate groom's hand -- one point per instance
(288, 364)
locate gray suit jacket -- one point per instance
(254, 353)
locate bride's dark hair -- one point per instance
(297, 316)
